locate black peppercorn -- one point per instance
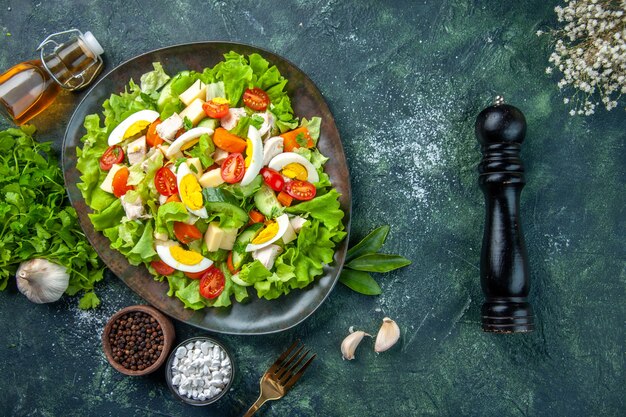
(137, 340)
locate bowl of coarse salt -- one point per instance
(199, 371)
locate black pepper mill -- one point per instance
(504, 272)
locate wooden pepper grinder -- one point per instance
(504, 272)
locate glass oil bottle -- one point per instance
(30, 87)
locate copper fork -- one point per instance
(282, 375)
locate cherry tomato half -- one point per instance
(165, 182)
(161, 267)
(186, 233)
(113, 155)
(216, 108)
(152, 137)
(300, 190)
(233, 168)
(256, 99)
(273, 179)
(212, 283)
(120, 179)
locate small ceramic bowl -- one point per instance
(168, 339)
(169, 374)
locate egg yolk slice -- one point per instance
(249, 151)
(191, 192)
(186, 257)
(136, 128)
(295, 170)
(266, 233)
(189, 144)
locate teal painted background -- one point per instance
(405, 81)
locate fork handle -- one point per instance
(257, 404)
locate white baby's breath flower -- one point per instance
(590, 51)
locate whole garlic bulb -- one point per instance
(42, 281)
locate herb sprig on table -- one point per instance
(363, 258)
(35, 219)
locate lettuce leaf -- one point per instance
(167, 214)
(324, 208)
(152, 81)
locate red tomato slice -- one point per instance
(300, 190)
(113, 155)
(256, 99)
(196, 275)
(120, 179)
(161, 267)
(212, 283)
(273, 179)
(186, 233)
(152, 137)
(215, 109)
(233, 168)
(165, 182)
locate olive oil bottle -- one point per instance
(28, 88)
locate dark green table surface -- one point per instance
(404, 81)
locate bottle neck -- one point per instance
(70, 64)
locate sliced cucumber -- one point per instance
(240, 256)
(219, 201)
(166, 91)
(267, 203)
(208, 122)
(235, 278)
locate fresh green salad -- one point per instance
(209, 180)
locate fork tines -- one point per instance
(289, 367)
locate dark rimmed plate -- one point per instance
(256, 316)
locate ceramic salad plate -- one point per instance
(254, 316)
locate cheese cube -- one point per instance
(211, 178)
(197, 166)
(196, 91)
(164, 148)
(213, 237)
(107, 184)
(194, 112)
(228, 240)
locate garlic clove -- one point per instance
(387, 336)
(41, 281)
(350, 343)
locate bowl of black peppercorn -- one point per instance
(137, 339)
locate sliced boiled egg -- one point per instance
(254, 155)
(272, 231)
(293, 165)
(187, 140)
(182, 259)
(190, 191)
(133, 125)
